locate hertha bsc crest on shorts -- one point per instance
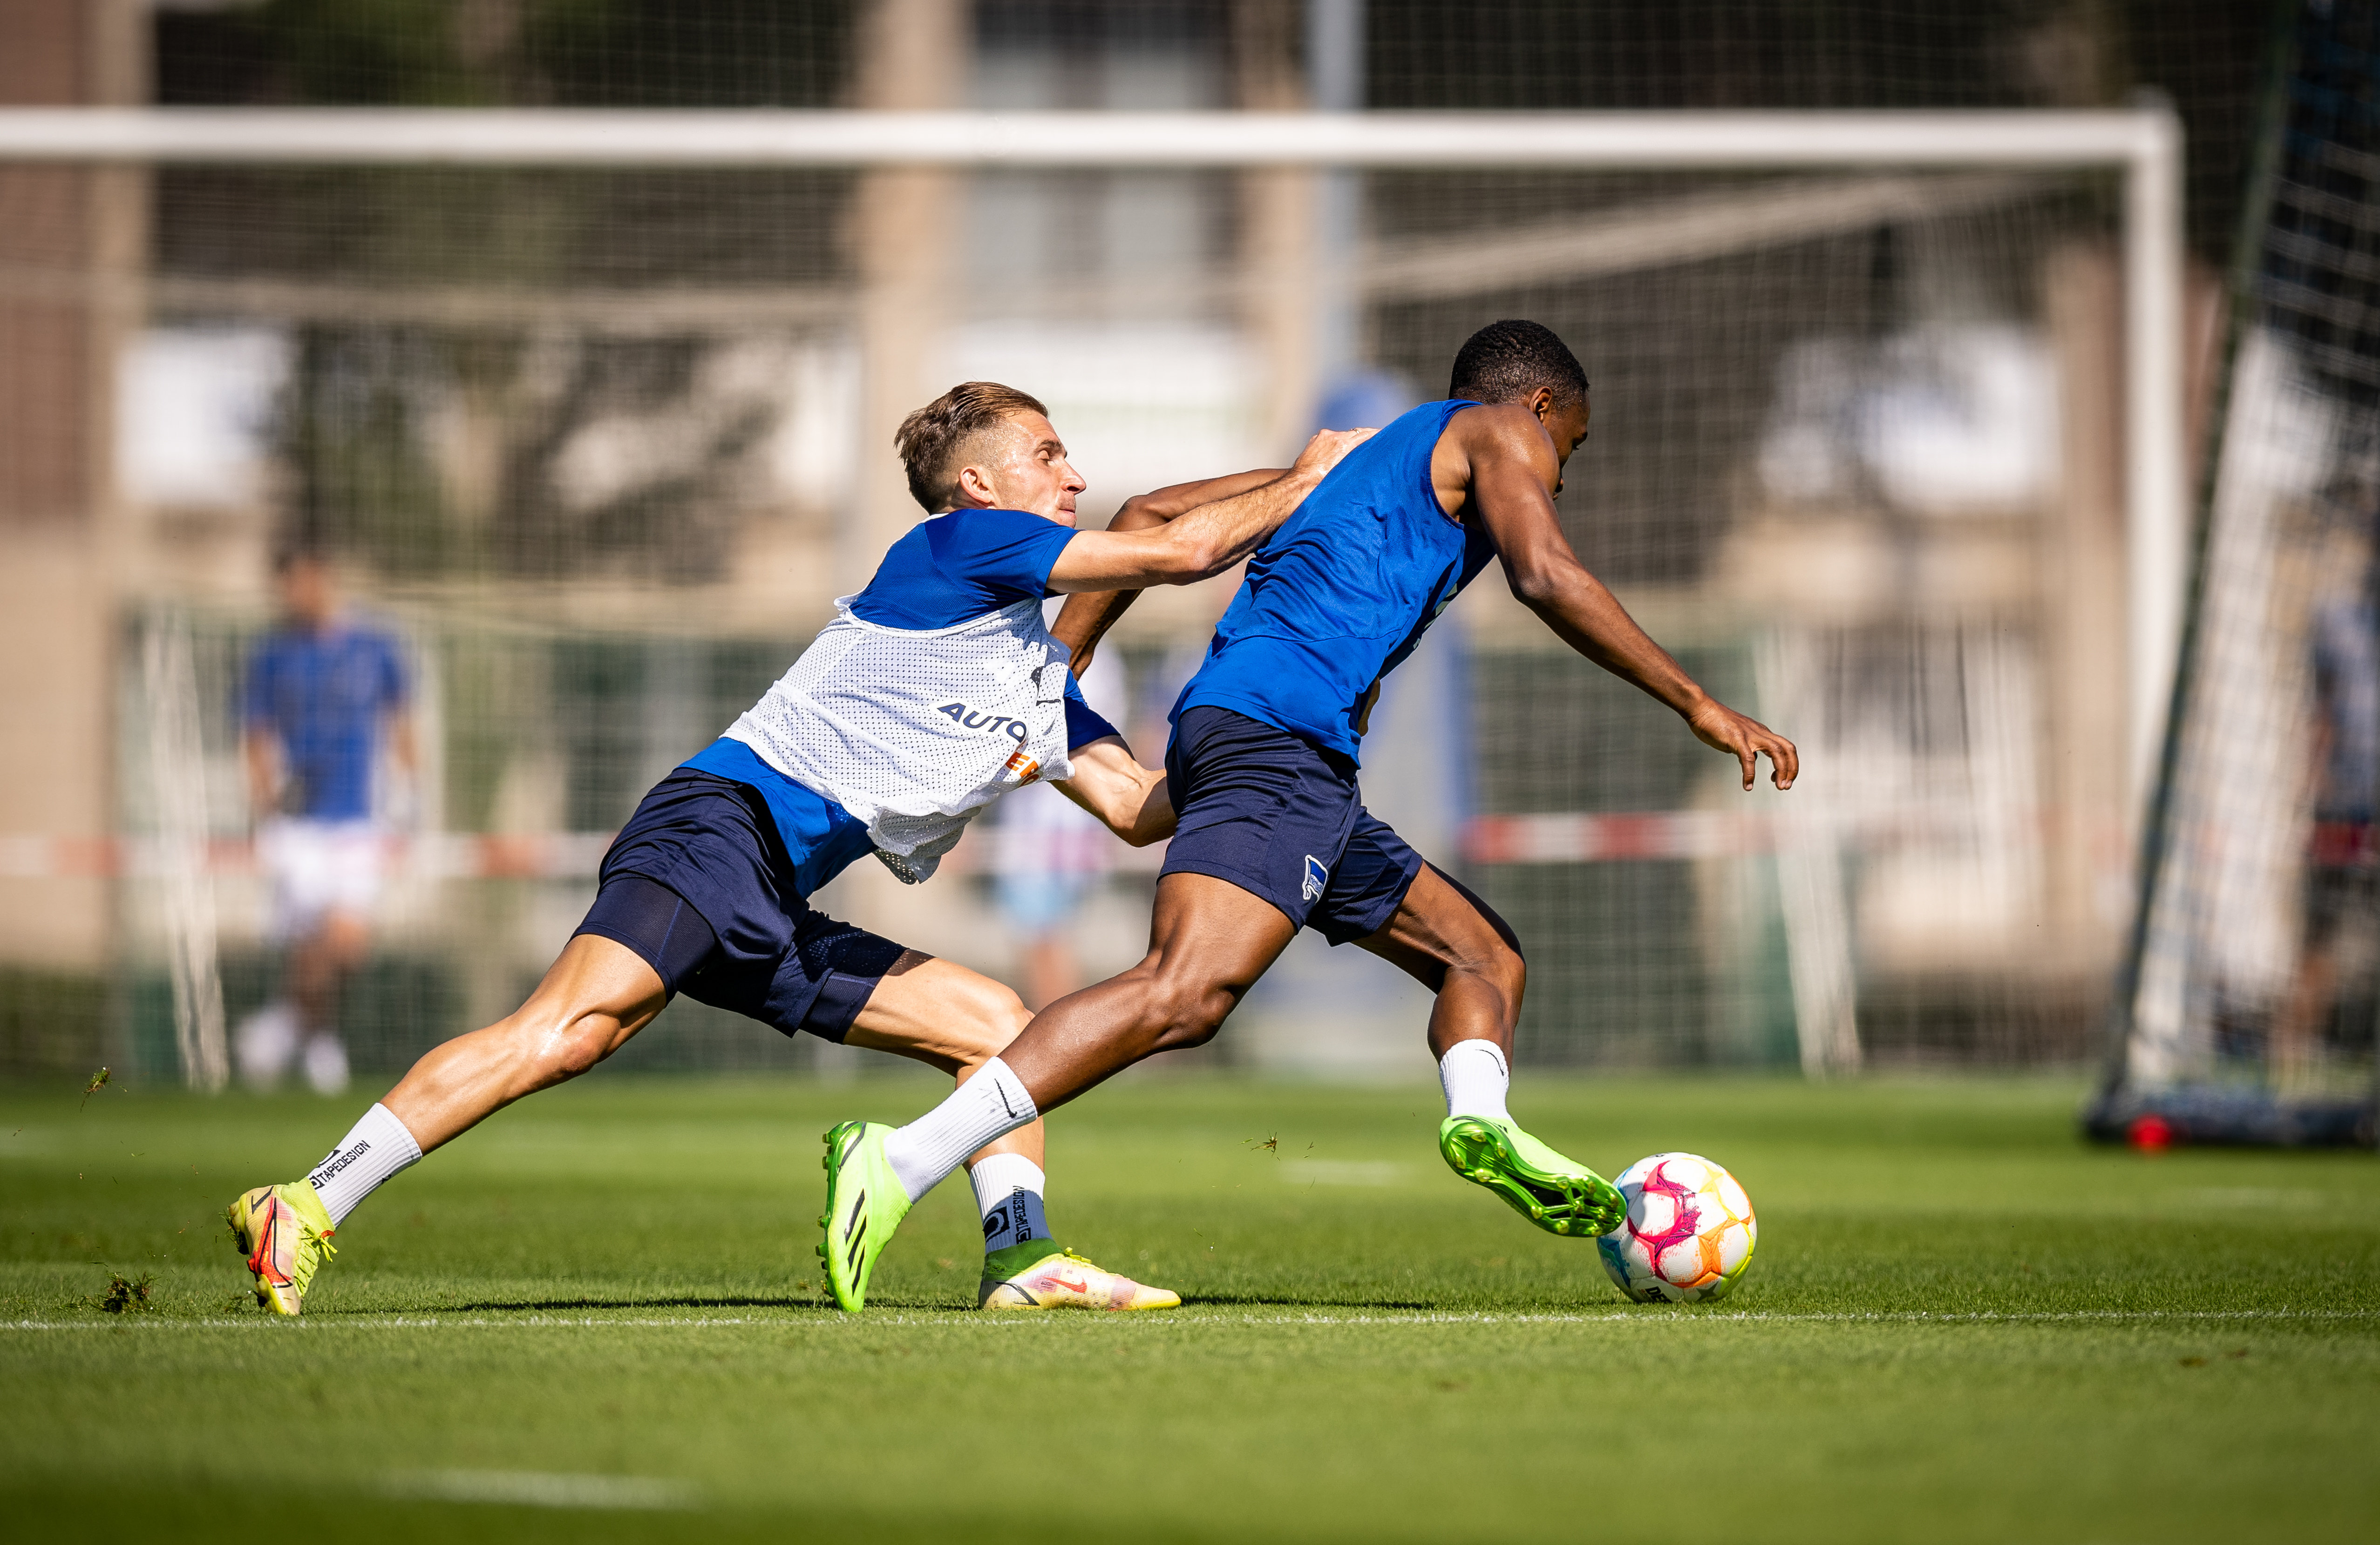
(1315, 878)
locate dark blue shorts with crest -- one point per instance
(1278, 816)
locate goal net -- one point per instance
(2249, 1004)
(593, 422)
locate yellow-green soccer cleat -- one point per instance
(1559, 1195)
(1035, 1275)
(865, 1202)
(285, 1233)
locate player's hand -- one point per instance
(1324, 450)
(1747, 740)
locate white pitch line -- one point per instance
(540, 1488)
(413, 1323)
(1745, 1316)
(960, 1317)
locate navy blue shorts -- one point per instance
(707, 846)
(1282, 818)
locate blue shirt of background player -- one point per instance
(949, 570)
(1338, 596)
(324, 697)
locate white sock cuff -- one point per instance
(996, 1177)
(375, 1148)
(1002, 1080)
(991, 1105)
(1476, 1077)
(1489, 1050)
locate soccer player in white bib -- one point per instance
(935, 690)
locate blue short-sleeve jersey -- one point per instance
(946, 570)
(1340, 595)
(324, 697)
(954, 568)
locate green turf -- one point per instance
(1961, 1325)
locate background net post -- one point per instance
(2248, 1011)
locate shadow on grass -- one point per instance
(108, 1507)
(685, 1301)
(548, 1306)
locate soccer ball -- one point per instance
(1689, 1234)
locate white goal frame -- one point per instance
(2143, 144)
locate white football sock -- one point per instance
(1008, 1190)
(1475, 1076)
(376, 1149)
(990, 1104)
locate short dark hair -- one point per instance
(1505, 361)
(932, 439)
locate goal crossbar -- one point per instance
(563, 137)
(2142, 144)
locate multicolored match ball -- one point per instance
(1689, 1234)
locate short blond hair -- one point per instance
(930, 440)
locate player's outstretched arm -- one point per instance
(1087, 615)
(1206, 541)
(1129, 799)
(1514, 476)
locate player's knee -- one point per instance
(347, 937)
(562, 1049)
(1492, 963)
(1504, 965)
(1184, 1013)
(1488, 950)
(991, 1016)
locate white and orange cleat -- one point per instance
(285, 1233)
(1033, 1275)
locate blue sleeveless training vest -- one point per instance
(1339, 596)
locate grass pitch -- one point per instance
(599, 1316)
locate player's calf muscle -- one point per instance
(543, 1043)
(1180, 1007)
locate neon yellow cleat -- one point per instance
(865, 1202)
(1033, 1275)
(285, 1233)
(1553, 1191)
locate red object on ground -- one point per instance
(2151, 1134)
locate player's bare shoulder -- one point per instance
(1505, 436)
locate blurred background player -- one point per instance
(323, 697)
(2342, 872)
(1049, 856)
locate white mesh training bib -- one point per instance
(914, 731)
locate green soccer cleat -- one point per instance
(285, 1233)
(1038, 1275)
(865, 1202)
(1561, 1196)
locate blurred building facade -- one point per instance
(73, 241)
(606, 445)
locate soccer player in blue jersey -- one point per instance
(321, 696)
(936, 690)
(1272, 834)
